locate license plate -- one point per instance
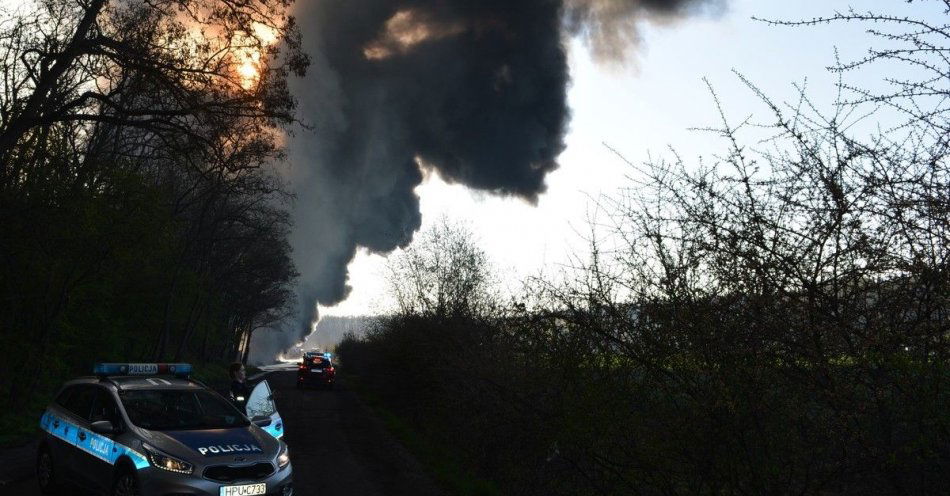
(245, 490)
(318, 371)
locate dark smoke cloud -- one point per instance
(609, 27)
(472, 90)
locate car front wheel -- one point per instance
(126, 485)
(46, 473)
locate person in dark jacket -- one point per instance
(239, 387)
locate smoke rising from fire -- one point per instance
(473, 91)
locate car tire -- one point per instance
(46, 475)
(126, 484)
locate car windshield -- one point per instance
(170, 409)
(319, 362)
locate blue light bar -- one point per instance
(176, 369)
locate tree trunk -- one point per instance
(194, 316)
(162, 341)
(247, 345)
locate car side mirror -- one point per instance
(103, 427)
(261, 421)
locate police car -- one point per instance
(316, 368)
(147, 429)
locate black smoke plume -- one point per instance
(472, 90)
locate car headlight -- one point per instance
(284, 457)
(166, 462)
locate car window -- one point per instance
(64, 395)
(320, 362)
(80, 400)
(260, 403)
(104, 408)
(171, 409)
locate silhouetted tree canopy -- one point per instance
(143, 216)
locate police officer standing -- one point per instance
(239, 388)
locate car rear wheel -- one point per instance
(126, 485)
(46, 473)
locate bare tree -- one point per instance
(443, 273)
(779, 309)
(173, 70)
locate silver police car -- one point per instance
(147, 429)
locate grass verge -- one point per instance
(18, 429)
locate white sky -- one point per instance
(642, 107)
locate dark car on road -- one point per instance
(316, 369)
(148, 429)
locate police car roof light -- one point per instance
(175, 369)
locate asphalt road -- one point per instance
(337, 446)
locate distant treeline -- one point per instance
(329, 332)
(772, 321)
(141, 218)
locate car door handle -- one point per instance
(82, 436)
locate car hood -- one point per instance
(207, 445)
